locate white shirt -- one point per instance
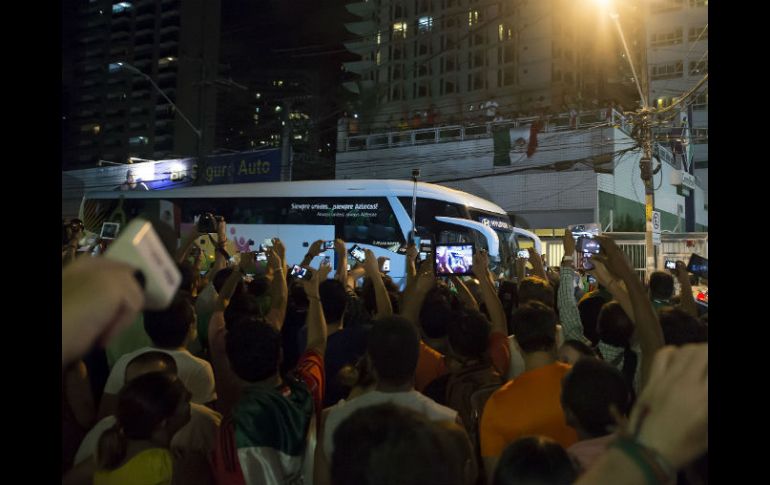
(195, 373)
(410, 399)
(197, 435)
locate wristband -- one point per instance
(566, 259)
(313, 297)
(655, 468)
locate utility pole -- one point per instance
(645, 167)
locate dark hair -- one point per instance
(534, 460)
(253, 348)
(508, 293)
(435, 312)
(334, 300)
(661, 285)
(168, 328)
(680, 328)
(143, 404)
(589, 309)
(387, 443)
(468, 332)
(152, 359)
(394, 346)
(188, 276)
(241, 305)
(258, 286)
(534, 325)
(534, 288)
(589, 389)
(221, 277)
(582, 348)
(614, 327)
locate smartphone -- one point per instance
(454, 259)
(260, 256)
(670, 264)
(522, 253)
(423, 256)
(301, 273)
(357, 253)
(591, 279)
(327, 260)
(385, 265)
(328, 244)
(207, 224)
(109, 230)
(587, 264)
(698, 265)
(586, 244)
(268, 243)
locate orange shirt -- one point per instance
(431, 364)
(528, 405)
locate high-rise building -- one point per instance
(448, 57)
(113, 113)
(677, 53)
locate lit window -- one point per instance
(120, 7)
(425, 24)
(138, 140)
(258, 95)
(165, 61)
(399, 29)
(473, 17)
(379, 38)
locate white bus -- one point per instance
(374, 214)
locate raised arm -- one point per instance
(489, 293)
(415, 296)
(411, 263)
(537, 264)
(648, 329)
(372, 268)
(463, 293)
(219, 257)
(187, 244)
(315, 321)
(569, 316)
(342, 261)
(685, 290)
(313, 251)
(279, 290)
(615, 286)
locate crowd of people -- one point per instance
(251, 376)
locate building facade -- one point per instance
(112, 113)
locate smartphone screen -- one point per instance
(357, 253)
(260, 256)
(385, 265)
(523, 253)
(454, 259)
(698, 265)
(587, 263)
(670, 264)
(588, 245)
(301, 273)
(109, 230)
(328, 244)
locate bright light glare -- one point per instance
(603, 3)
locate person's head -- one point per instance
(253, 348)
(534, 288)
(172, 327)
(435, 312)
(588, 391)
(334, 300)
(468, 332)
(661, 285)
(573, 350)
(680, 328)
(387, 443)
(534, 460)
(534, 325)
(152, 361)
(613, 326)
(221, 277)
(589, 309)
(393, 347)
(242, 305)
(151, 407)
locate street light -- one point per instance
(128, 67)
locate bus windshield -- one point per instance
(502, 226)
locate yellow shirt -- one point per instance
(149, 467)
